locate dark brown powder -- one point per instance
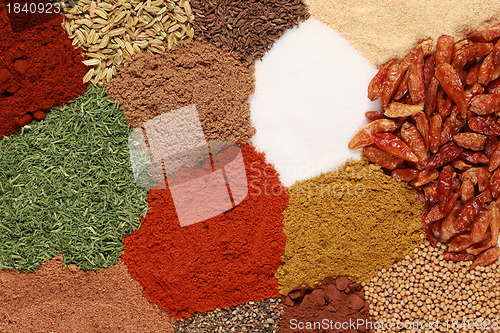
(335, 306)
(247, 27)
(67, 299)
(195, 72)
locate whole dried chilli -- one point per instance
(440, 129)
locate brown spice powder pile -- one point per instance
(385, 29)
(195, 72)
(67, 299)
(247, 27)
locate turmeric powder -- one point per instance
(351, 222)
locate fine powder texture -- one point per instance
(67, 299)
(306, 106)
(194, 72)
(39, 69)
(248, 27)
(385, 29)
(351, 222)
(223, 261)
(335, 301)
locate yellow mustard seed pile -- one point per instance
(442, 296)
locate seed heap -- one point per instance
(262, 316)
(425, 288)
(111, 31)
(248, 28)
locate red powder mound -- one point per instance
(39, 69)
(4, 20)
(224, 261)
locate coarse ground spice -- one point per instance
(351, 222)
(262, 316)
(424, 288)
(39, 69)
(66, 299)
(247, 27)
(5, 26)
(195, 72)
(67, 187)
(24, 19)
(220, 262)
(334, 302)
(387, 29)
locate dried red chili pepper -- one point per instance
(426, 176)
(470, 140)
(486, 258)
(452, 85)
(467, 191)
(435, 132)
(484, 126)
(444, 50)
(486, 71)
(422, 125)
(430, 193)
(451, 126)
(455, 257)
(446, 154)
(393, 79)
(485, 104)
(470, 210)
(460, 243)
(448, 229)
(416, 86)
(444, 186)
(494, 159)
(429, 67)
(374, 115)
(435, 214)
(493, 87)
(404, 175)
(391, 144)
(376, 85)
(471, 92)
(476, 249)
(496, 52)
(495, 184)
(473, 74)
(411, 136)
(473, 157)
(470, 52)
(382, 158)
(431, 95)
(486, 35)
(402, 88)
(461, 165)
(365, 136)
(490, 146)
(480, 225)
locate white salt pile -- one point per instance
(309, 101)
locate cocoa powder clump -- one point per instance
(195, 72)
(312, 310)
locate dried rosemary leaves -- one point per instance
(110, 31)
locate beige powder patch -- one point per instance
(384, 29)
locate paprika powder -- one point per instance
(39, 69)
(223, 261)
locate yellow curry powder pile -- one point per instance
(351, 222)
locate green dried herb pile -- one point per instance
(66, 187)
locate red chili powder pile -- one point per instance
(223, 261)
(39, 69)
